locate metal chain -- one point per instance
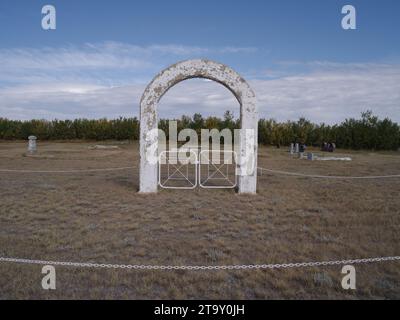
(261, 169)
(66, 171)
(326, 177)
(199, 267)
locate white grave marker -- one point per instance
(32, 144)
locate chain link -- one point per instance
(67, 171)
(199, 267)
(326, 177)
(259, 168)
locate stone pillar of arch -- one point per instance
(198, 68)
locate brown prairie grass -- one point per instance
(100, 217)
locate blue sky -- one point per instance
(294, 53)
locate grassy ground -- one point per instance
(100, 217)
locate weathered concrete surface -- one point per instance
(176, 73)
(32, 144)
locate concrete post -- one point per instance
(32, 144)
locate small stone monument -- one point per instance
(32, 144)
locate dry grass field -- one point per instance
(100, 217)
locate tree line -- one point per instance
(367, 132)
(84, 129)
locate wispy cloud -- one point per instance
(107, 80)
(101, 62)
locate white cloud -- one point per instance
(332, 95)
(101, 62)
(107, 80)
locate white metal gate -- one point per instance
(187, 168)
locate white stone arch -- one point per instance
(198, 68)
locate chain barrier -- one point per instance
(199, 267)
(65, 171)
(259, 168)
(326, 177)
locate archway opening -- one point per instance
(208, 111)
(199, 104)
